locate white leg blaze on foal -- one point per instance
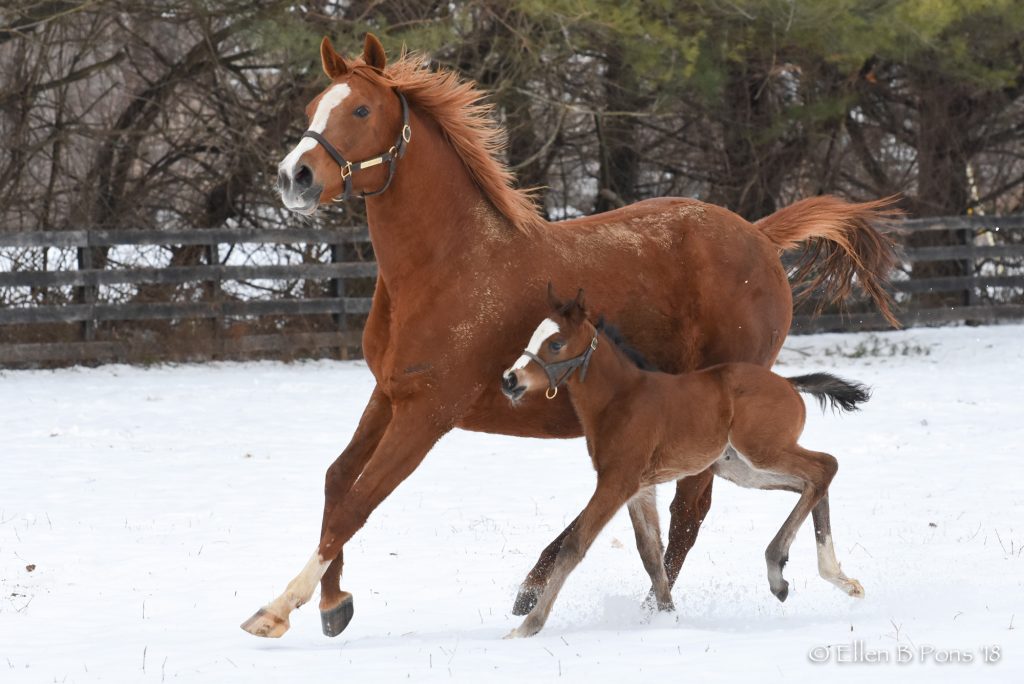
(272, 619)
(830, 571)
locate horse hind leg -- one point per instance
(828, 566)
(643, 513)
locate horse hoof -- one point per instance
(265, 624)
(335, 620)
(854, 589)
(783, 591)
(525, 601)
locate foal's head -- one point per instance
(358, 115)
(560, 346)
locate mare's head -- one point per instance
(561, 344)
(359, 117)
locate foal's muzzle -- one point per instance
(511, 388)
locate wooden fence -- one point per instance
(1000, 267)
(214, 307)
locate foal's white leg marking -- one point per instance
(331, 99)
(830, 571)
(546, 329)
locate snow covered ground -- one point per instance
(157, 508)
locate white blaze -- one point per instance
(334, 96)
(546, 329)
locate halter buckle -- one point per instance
(406, 133)
(551, 392)
(346, 170)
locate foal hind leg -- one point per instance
(828, 566)
(816, 470)
(643, 512)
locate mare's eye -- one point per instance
(362, 111)
(555, 346)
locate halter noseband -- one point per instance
(565, 367)
(391, 157)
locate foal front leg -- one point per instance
(610, 495)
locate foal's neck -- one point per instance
(611, 373)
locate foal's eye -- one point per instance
(555, 346)
(362, 111)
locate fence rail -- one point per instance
(92, 315)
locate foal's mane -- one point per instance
(631, 352)
(469, 125)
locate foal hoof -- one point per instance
(335, 620)
(525, 600)
(853, 588)
(265, 624)
(782, 593)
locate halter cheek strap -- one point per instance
(391, 157)
(559, 372)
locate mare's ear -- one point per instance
(579, 309)
(553, 301)
(373, 52)
(334, 65)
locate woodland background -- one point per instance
(172, 114)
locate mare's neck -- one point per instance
(611, 373)
(433, 215)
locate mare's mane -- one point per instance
(469, 124)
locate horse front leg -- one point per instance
(335, 605)
(689, 508)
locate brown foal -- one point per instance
(723, 413)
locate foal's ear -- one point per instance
(579, 308)
(373, 52)
(553, 301)
(334, 65)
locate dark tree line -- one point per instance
(174, 113)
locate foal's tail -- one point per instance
(842, 394)
(844, 237)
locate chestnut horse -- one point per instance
(463, 261)
(644, 428)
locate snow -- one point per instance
(161, 506)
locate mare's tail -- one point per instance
(842, 241)
(842, 394)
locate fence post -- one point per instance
(213, 293)
(337, 291)
(87, 293)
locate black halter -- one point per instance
(564, 367)
(390, 157)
